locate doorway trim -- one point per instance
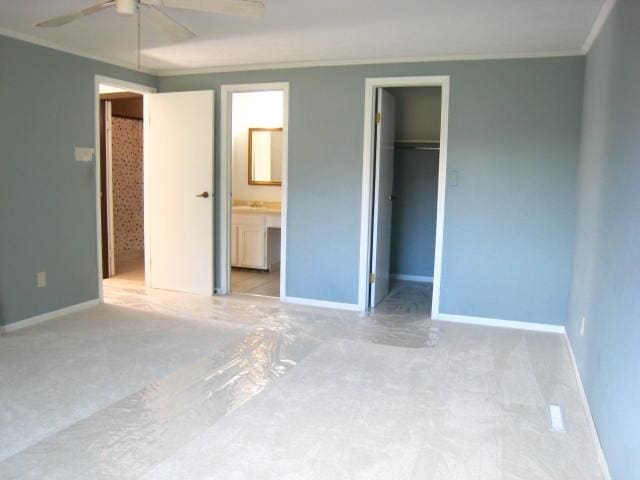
(143, 90)
(108, 156)
(226, 202)
(366, 219)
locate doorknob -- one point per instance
(203, 195)
(392, 197)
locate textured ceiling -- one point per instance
(319, 31)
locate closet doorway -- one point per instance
(403, 194)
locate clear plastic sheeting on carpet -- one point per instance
(127, 438)
(401, 329)
(286, 392)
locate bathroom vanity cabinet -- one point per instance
(250, 239)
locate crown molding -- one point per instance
(598, 25)
(367, 61)
(80, 53)
(306, 64)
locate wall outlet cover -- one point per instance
(41, 279)
(84, 154)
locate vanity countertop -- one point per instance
(244, 209)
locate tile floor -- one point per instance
(129, 268)
(255, 282)
(163, 385)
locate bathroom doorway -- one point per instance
(254, 160)
(172, 200)
(122, 185)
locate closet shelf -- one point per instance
(417, 144)
(418, 141)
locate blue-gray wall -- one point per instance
(47, 200)
(514, 132)
(514, 139)
(606, 274)
(413, 232)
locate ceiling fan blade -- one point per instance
(167, 24)
(64, 19)
(246, 8)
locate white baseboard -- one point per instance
(321, 303)
(493, 322)
(412, 278)
(592, 425)
(28, 322)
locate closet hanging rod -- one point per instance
(416, 147)
(431, 142)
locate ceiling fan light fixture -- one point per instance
(127, 7)
(244, 8)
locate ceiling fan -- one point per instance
(247, 8)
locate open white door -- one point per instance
(180, 191)
(383, 195)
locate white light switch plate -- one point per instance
(452, 179)
(41, 280)
(84, 154)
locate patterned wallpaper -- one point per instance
(128, 202)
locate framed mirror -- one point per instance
(265, 156)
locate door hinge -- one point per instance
(372, 277)
(378, 117)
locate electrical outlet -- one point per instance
(41, 279)
(584, 321)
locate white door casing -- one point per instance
(108, 142)
(383, 195)
(180, 191)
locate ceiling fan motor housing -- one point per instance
(126, 7)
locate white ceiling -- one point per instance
(295, 31)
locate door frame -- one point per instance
(366, 217)
(108, 157)
(226, 202)
(143, 90)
